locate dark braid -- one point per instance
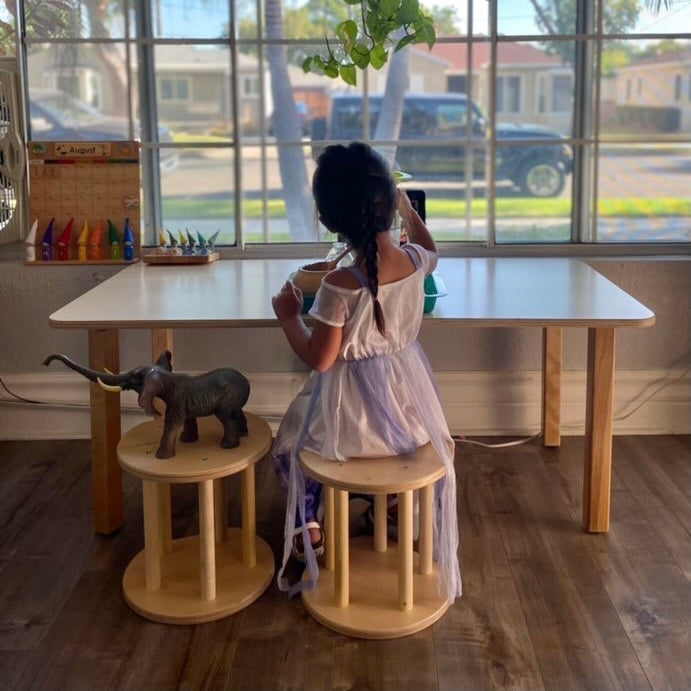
(356, 196)
(369, 249)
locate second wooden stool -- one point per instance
(356, 593)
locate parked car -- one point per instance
(537, 169)
(56, 116)
(303, 114)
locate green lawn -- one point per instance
(518, 207)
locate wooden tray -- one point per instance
(181, 258)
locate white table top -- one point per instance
(482, 292)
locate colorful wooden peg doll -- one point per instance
(64, 241)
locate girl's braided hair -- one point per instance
(356, 196)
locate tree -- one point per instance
(298, 199)
(559, 17)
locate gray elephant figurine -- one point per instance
(221, 392)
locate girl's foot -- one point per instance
(316, 538)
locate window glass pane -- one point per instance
(73, 95)
(647, 18)
(8, 36)
(643, 193)
(197, 195)
(75, 19)
(523, 19)
(277, 187)
(194, 90)
(529, 78)
(640, 89)
(190, 18)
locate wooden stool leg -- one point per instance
(426, 539)
(330, 560)
(220, 504)
(380, 536)
(152, 535)
(207, 542)
(164, 521)
(342, 583)
(249, 519)
(405, 550)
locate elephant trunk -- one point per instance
(93, 375)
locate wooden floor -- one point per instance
(545, 606)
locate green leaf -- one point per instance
(307, 65)
(388, 7)
(408, 11)
(347, 31)
(318, 62)
(410, 38)
(353, 2)
(360, 55)
(331, 70)
(426, 35)
(378, 56)
(348, 74)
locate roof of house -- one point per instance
(508, 54)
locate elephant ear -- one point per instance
(151, 389)
(165, 361)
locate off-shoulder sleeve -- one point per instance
(428, 260)
(330, 306)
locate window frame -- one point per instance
(581, 240)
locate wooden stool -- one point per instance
(355, 593)
(220, 571)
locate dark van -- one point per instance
(537, 169)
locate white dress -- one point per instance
(379, 398)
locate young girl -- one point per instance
(371, 392)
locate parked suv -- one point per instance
(537, 169)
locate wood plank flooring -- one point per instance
(545, 605)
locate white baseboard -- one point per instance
(476, 403)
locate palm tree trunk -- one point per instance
(389, 123)
(291, 160)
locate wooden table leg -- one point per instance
(597, 481)
(551, 385)
(106, 475)
(162, 339)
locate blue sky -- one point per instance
(197, 19)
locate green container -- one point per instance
(434, 288)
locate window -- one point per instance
(508, 95)
(173, 89)
(561, 94)
(574, 129)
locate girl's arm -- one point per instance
(317, 347)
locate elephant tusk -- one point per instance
(105, 369)
(108, 387)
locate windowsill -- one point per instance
(13, 253)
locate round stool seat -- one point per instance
(356, 593)
(204, 577)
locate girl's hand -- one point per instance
(288, 302)
(405, 208)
